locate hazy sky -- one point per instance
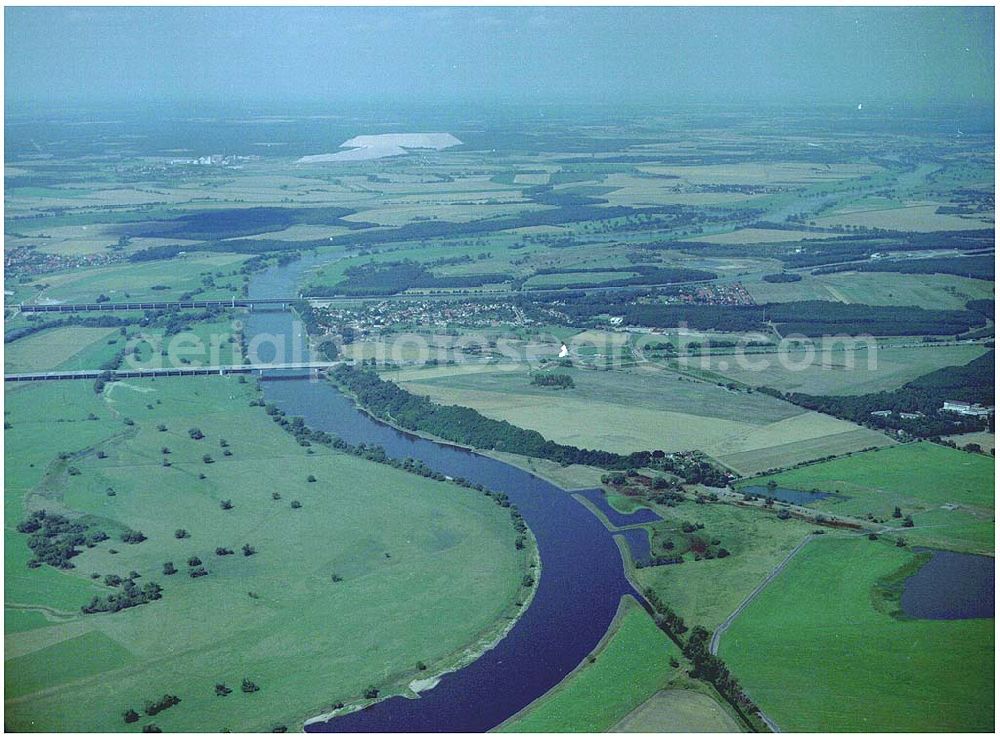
(503, 55)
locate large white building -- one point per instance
(967, 409)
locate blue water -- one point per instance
(581, 583)
(951, 585)
(618, 519)
(638, 543)
(791, 495)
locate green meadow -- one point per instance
(147, 281)
(843, 372)
(872, 288)
(87, 348)
(64, 347)
(425, 571)
(705, 592)
(949, 493)
(631, 666)
(679, 710)
(816, 655)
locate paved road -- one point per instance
(713, 646)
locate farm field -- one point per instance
(432, 209)
(876, 289)
(86, 348)
(630, 666)
(816, 655)
(678, 710)
(631, 190)
(705, 591)
(643, 409)
(910, 217)
(986, 440)
(838, 371)
(759, 236)
(448, 552)
(64, 347)
(146, 281)
(560, 280)
(763, 172)
(749, 457)
(949, 493)
(210, 342)
(806, 436)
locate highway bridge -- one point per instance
(306, 369)
(280, 303)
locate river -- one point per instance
(582, 575)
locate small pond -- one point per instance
(951, 585)
(792, 495)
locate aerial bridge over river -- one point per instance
(305, 369)
(276, 303)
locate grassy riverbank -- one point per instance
(630, 665)
(277, 617)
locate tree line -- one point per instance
(466, 426)
(389, 278)
(386, 400)
(925, 395)
(809, 318)
(695, 647)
